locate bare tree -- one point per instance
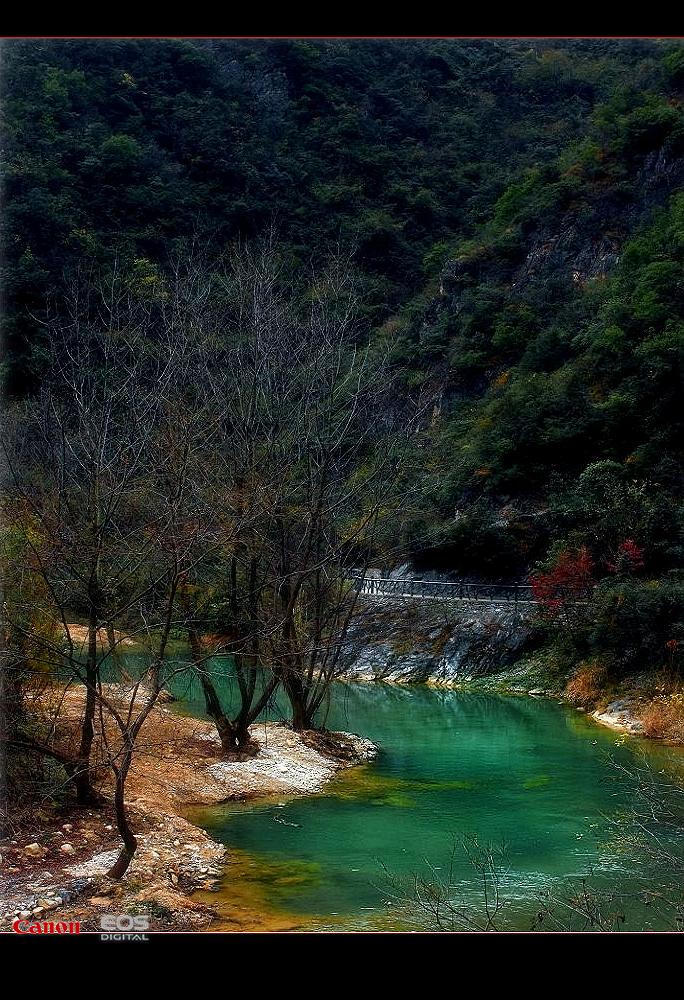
(438, 898)
(213, 455)
(309, 413)
(220, 591)
(304, 471)
(79, 463)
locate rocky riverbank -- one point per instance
(644, 704)
(485, 646)
(54, 868)
(484, 650)
(440, 643)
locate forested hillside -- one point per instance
(519, 235)
(328, 362)
(404, 149)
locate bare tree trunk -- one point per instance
(130, 843)
(296, 693)
(251, 709)
(300, 719)
(224, 727)
(84, 790)
(233, 733)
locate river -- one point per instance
(547, 788)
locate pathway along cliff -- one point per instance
(455, 633)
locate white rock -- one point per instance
(67, 849)
(35, 850)
(98, 865)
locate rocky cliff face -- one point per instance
(581, 243)
(444, 647)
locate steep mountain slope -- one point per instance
(519, 224)
(396, 147)
(555, 340)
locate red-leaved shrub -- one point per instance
(571, 577)
(628, 559)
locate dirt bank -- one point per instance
(54, 867)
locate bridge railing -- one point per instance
(492, 593)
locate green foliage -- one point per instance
(637, 623)
(674, 65)
(403, 148)
(519, 237)
(649, 126)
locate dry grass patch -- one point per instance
(587, 685)
(663, 718)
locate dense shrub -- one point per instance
(639, 624)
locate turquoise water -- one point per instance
(527, 773)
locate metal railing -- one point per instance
(490, 593)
